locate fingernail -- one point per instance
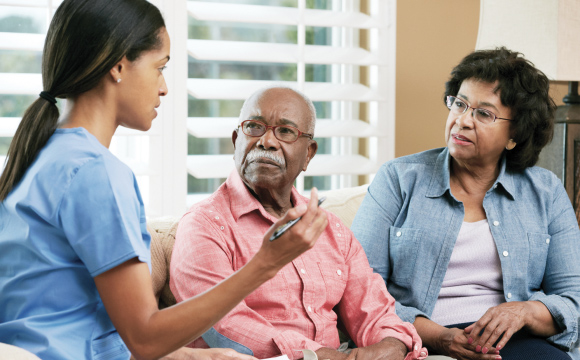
(484, 350)
(498, 348)
(469, 341)
(423, 354)
(478, 348)
(498, 357)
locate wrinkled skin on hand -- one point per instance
(502, 321)
(454, 343)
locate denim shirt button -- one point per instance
(398, 233)
(547, 241)
(509, 295)
(505, 253)
(496, 223)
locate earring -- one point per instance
(511, 144)
(118, 81)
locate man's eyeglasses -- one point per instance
(459, 106)
(285, 133)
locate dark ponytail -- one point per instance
(85, 40)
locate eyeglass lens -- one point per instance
(459, 106)
(281, 132)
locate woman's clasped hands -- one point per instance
(486, 337)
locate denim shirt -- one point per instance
(409, 221)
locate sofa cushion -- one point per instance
(344, 203)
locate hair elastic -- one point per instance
(46, 96)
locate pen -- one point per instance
(282, 229)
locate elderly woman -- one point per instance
(480, 248)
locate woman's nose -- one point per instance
(465, 120)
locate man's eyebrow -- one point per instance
(283, 120)
(289, 122)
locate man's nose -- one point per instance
(268, 140)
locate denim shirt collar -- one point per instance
(439, 184)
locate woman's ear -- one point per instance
(511, 144)
(118, 70)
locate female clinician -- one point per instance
(74, 259)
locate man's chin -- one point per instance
(264, 179)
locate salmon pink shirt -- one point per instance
(298, 308)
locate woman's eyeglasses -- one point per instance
(459, 106)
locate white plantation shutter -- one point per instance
(210, 46)
(343, 89)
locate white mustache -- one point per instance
(255, 154)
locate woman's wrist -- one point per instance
(263, 267)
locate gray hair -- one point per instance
(259, 92)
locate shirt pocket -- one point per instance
(109, 347)
(403, 250)
(334, 276)
(271, 299)
(539, 245)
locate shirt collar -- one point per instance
(242, 201)
(440, 178)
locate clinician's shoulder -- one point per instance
(70, 150)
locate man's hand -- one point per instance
(387, 349)
(207, 354)
(330, 354)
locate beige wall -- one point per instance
(432, 37)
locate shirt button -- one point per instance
(509, 295)
(505, 253)
(309, 309)
(495, 186)
(496, 223)
(339, 272)
(222, 228)
(217, 217)
(339, 235)
(398, 233)
(337, 225)
(303, 271)
(547, 241)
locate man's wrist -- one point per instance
(396, 344)
(331, 354)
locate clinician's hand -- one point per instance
(299, 238)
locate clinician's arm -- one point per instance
(150, 333)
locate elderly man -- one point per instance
(300, 307)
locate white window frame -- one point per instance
(162, 171)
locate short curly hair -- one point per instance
(522, 88)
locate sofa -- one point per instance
(344, 203)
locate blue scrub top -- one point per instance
(76, 213)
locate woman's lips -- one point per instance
(460, 139)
